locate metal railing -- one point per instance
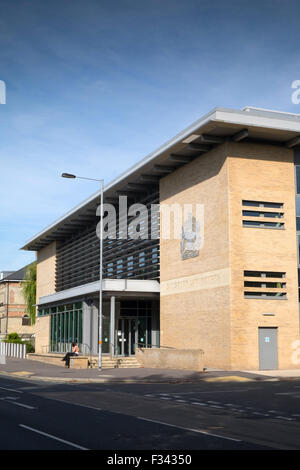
(67, 347)
(151, 346)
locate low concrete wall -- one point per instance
(47, 358)
(191, 359)
(56, 359)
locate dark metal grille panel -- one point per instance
(78, 258)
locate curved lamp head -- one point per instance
(68, 175)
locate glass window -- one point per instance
(65, 327)
(261, 295)
(251, 203)
(264, 274)
(298, 179)
(278, 285)
(298, 206)
(278, 205)
(252, 273)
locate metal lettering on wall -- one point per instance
(191, 238)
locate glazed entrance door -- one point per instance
(127, 336)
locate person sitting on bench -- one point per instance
(75, 352)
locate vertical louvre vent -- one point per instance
(260, 214)
(264, 285)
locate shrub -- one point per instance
(13, 338)
(29, 347)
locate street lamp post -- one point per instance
(100, 313)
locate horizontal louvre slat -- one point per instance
(77, 260)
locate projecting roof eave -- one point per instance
(212, 129)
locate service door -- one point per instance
(268, 354)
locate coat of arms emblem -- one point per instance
(190, 238)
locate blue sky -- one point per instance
(95, 85)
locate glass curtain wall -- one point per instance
(65, 326)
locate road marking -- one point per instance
(53, 437)
(199, 431)
(285, 417)
(237, 390)
(23, 405)
(229, 407)
(11, 390)
(21, 373)
(259, 413)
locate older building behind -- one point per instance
(13, 315)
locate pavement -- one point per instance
(34, 370)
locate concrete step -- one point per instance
(107, 362)
(116, 362)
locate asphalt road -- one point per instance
(206, 416)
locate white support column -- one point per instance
(112, 324)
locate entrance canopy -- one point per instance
(130, 316)
(113, 286)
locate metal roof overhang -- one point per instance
(112, 286)
(249, 124)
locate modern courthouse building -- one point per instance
(227, 285)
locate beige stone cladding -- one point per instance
(195, 292)
(42, 334)
(46, 265)
(263, 173)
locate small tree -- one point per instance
(29, 291)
